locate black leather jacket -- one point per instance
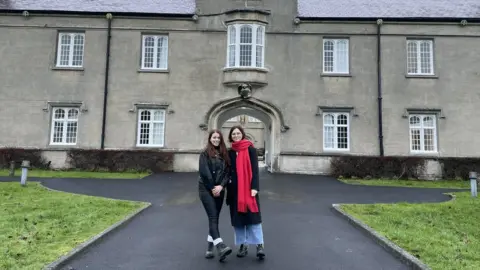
(213, 171)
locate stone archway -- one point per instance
(266, 112)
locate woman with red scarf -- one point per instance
(242, 194)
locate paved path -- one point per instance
(301, 231)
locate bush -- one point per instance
(454, 168)
(121, 160)
(18, 154)
(377, 167)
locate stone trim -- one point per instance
(150, 105)
(436, 111)
(252, 15)
(323, 109)
(235, 76)
(73, 104)
(250, 102)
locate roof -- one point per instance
(114, 6)
(389, 8)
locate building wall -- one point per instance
(193, 82)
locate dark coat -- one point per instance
(242, 219)
(212, 171)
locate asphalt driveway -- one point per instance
(300, 230)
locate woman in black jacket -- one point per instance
(242, 194)
(213, 170)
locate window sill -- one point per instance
(412, 76)
(424, 153)
(148, 147)
(259, 69)
(336, 75)
(69, 68)
(335, 151)
(153, 70)
(61, 147)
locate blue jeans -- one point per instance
(249, 235)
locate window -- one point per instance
(64, 126)
(423, 133)
(70, 49)
(335, 56)
(420, 57)
(151, 128)
(335, 131)
(155, 52)
(234, 119)
(246, 45)
(253, 120)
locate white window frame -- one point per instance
(422, 133)
(151, 121)
(335, 131)
(235, 43)
(336, 44)
(64, 122)
(71, 47)
(164, 51)
(418, 54)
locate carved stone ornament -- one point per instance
(245, 90)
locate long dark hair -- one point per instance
(222, 148)
(241, 131)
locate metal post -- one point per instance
(12, 168)
(473, 183)
(25, 166)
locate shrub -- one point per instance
(377, 167)
(18, 154)
(121, 160)
(454, 168)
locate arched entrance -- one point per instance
(266, 112)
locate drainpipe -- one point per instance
(107, 68)
(379, 87)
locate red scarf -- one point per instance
(244, 177)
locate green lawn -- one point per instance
(76, 174)
(37, 225)
(442, 235)
(409, 183)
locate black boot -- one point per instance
(223, 251)
(260, 252)
(209, 254)
(242, 251)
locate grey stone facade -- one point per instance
(305, 69)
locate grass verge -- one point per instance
(37, 225)
(77, 174)
(410, 183)
(442, 235)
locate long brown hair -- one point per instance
(210, 148)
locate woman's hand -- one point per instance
(216, 190)
(254, 192)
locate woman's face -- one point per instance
(236, 135)
(215, 139)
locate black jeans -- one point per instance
(213, 207)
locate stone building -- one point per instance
(325, 77)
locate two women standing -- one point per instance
(237, 171)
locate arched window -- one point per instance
(423, 133)
(246, 45)
(336, 131)
(420, 57)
